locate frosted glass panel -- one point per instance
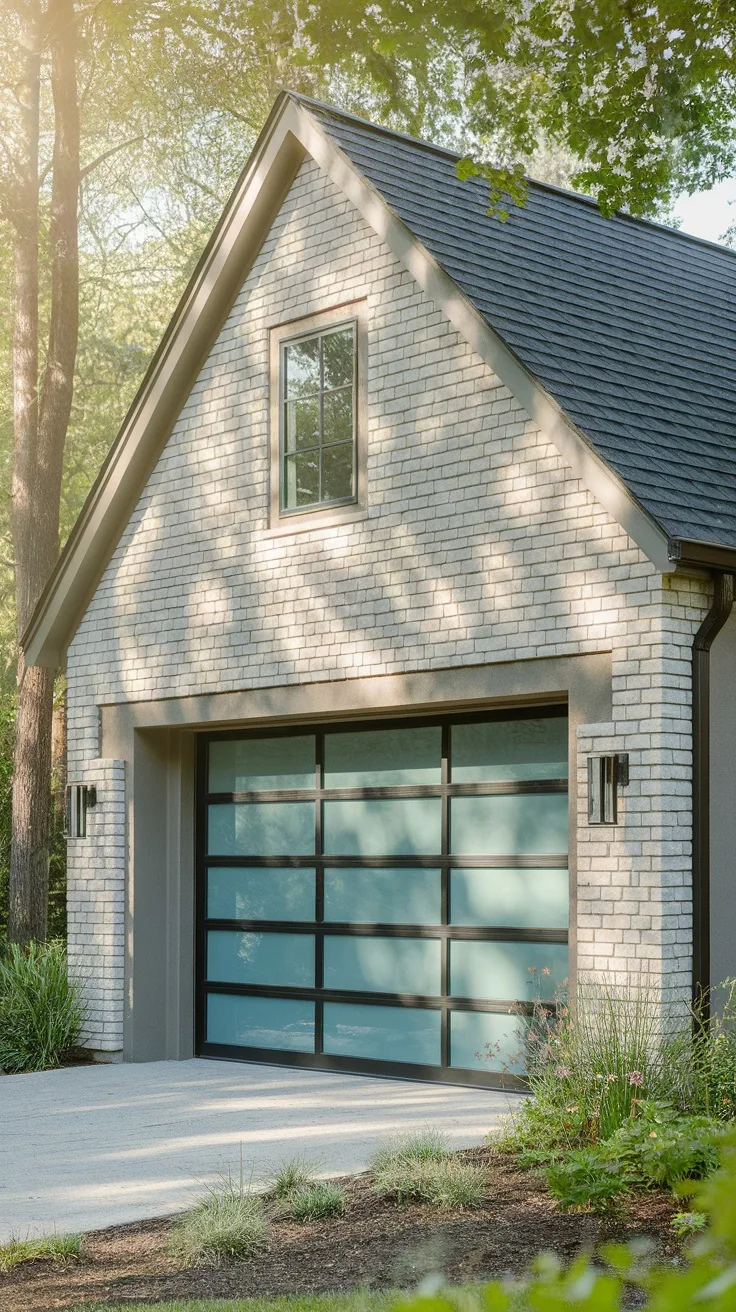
(267, 894)
(509, 824)
(261, 829)
(383, 826)
(507, 970)
(389, 896)
(248, 764)
(509, 749)
(382, 1033)
(383, 757)
(260, 1022)
(238, 958)
(526, 898)
(485, 1041)
(382, 965)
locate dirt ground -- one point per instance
(375, 1244)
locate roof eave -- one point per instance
(702, 555)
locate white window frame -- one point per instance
(285, 520)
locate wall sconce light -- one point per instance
(79, 799)
(606, 774)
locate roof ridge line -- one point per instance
(579, 196)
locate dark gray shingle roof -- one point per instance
(630, 326)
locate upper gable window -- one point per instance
(318, 400)
(317, 446)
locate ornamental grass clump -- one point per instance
(41, 1012)
(228, 1224)
(296, 1173)
(317, 1201)
(421, 1167)
(54, 1248)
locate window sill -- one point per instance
(315, 520)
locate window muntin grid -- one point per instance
(318, 401)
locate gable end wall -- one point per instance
(479, 547)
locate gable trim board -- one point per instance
(291, 133)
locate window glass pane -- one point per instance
(507, 970)
(382, 965)
(302, 424)
(266, 894)
(337, 472)
(391, 897)
(247, 765)
(260, 1022)
(509, 824)
(509, 897)
(237, 958)
(383, 757)
(302, 368)
(338, 354)
(509, 749)
(383, 826)
(302, 479)
(405, 1034)
(485, 1041)
(337, 416)
(261, 828)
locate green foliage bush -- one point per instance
(658, 1147)
(229, 1223)
(584, 1178)
(41, 1013)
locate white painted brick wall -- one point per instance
(96, 903)
(479, 546)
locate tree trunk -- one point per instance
(40, 435)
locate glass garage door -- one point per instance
(378, 897)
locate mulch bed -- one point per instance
(376, 1244)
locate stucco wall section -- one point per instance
(479, 546)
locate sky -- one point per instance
(708, 213)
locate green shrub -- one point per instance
(317, 1200)
(585, 1179)
(688, 1223)
(41, 1012)
(655, 1149)
(227, 1224)
(658, 1147)
(53, 1247)
(290, 1176)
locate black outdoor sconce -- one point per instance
(79, 799)
(606, 774)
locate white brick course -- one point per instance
(479, 546)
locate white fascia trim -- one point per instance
(576, 451)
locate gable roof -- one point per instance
(575, 313)
(629, 325)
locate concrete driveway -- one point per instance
(94, 1146)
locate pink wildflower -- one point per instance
(562, 1073)
(612, 1078)
(636, 1078)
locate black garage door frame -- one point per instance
(445, 932)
